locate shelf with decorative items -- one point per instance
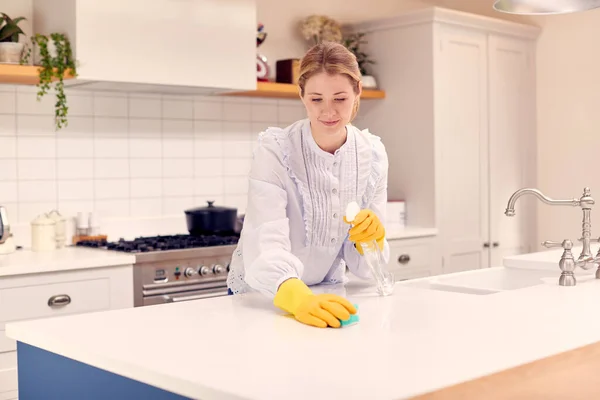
(315, 29)
(52, 63)
(290, 91)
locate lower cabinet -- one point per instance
(47, 295)
(413, 258)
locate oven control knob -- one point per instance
(189, 272)
(204, 270)
(219, 269)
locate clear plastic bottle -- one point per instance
(373, 257)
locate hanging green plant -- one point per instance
(52, 69)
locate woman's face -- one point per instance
(329, 101)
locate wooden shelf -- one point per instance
(290, 91)
(21, 74)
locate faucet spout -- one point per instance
(510, 208)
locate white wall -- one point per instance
(568, 120)
(282, 18)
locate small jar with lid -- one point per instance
(43, 233)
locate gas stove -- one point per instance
(173, 268)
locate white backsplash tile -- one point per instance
(8, 147)
(129, 155)
(28, 104)
(35, 125)
(8, 126)
(36, 147)
(74, 168)
(68, 146)
(105, 168)
(8, 169)
(177, 109)
(110, 106)
(8, 102)
(145, 107)
(9, 192)
(37, 191)
(32, 169)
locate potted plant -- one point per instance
(10, 48)
(353, 43)
(54, 55)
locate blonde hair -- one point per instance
(332, 58)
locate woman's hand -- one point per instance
(366, 228)
(321, 310)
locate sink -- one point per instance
(486, 281)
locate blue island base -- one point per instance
(45, 375)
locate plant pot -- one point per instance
(11, 52)
(368, 82)
(37, 58)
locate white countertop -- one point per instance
(26, 261)
(393, 232)
(240, 347)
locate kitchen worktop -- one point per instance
(394, 232)
(67, 258)
(413, 342)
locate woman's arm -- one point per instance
(266, 247)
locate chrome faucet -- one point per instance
(567, 262)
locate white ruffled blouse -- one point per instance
(298, 193)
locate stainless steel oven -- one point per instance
(178, 268)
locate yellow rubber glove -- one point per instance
(367, 227)
(319, 310)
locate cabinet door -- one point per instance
(512, 144)
(462, 148)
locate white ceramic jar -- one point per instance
(43, 233)
(61, 228)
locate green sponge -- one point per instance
(353, 318)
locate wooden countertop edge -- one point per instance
(569, 375)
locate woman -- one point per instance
(301, 180)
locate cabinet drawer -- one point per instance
(49, 300)
(6, 343)
(8, 372)
(409, 255)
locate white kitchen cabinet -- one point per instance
(44, 295)
(459, 127)
(159, 45)
(413, 258)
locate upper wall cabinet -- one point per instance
(181, 45)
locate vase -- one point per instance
(11, 52)
(368, 82)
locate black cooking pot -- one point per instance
(211, 220)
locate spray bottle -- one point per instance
(373, 257)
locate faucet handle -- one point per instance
(565, 244)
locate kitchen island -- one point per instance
(417, 342)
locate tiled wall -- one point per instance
(129, 155)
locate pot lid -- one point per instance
(55, 215)
(210, 208)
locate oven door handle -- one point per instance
(170, 299)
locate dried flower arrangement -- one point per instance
(319, 28)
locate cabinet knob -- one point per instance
(404, 259)
(59, 300)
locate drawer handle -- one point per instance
(404, 259)
(59, 300)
